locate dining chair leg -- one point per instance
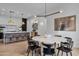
(62, 53)
(32, 53)
(55, 54)
(66, 54)
(40, 52)
(58, 45)
(71, 53)
(43, 54)
(55, 45)
(58, 52)
(28, 51)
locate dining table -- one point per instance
(48, 40)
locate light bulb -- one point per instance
(60, 11)
(35, 16)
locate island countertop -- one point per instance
(15, 32)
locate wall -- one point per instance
(5, 20)
(42, 25)
(68, 10)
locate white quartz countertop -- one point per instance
(16, 32)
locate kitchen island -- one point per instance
(14, 36)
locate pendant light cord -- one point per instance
(45, 8)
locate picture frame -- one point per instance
(67, 23)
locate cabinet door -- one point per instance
(1, 35)
(24, 25)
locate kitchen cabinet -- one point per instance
(15, 36)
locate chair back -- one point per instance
(71, 44)
(46, 45)
(66, 44)
(29, 38)
(48, 49)
(49, 45)
(69, 41)
(58, 36)
(31, 43)
(37, 43)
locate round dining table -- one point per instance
(49, 40)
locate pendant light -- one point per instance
(11, 22)
(46, 15)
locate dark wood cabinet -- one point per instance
(24, 24)
(1, 35)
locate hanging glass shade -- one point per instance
(11, 21)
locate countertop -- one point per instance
(16, 32)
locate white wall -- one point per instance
(4, 20)
(42, 25)
(68, 10)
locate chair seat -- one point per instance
(31, 47)
(47, 45)
(65, 42)
(64, 49)
(48, 51)
(37, 46)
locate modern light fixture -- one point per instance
(61, 11)
(11, 22)
(46, 15)
(49, 14)
(35, 16)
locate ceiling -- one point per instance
(29, 9)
